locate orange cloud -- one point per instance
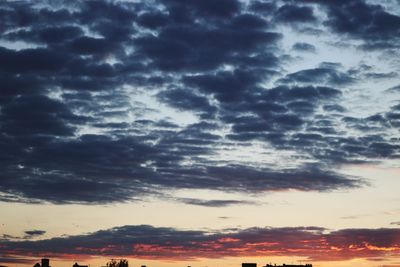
(150, 242)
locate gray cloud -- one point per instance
(214, 203)
(70, 131)
(34, 233)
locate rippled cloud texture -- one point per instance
(115, 101)
(75, 130)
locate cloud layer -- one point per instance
(144, 241)
(105, 101)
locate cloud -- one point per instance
(377, 27)
(295, 14)
(27, 235)
(214, 203)
(96, 188)
(15, 260)
(150, 242)
(115, 101)
(208, 8)
(304, 47)
(34, 233)
(394, 89)
(352, 217)
(328, 76)
(31, 60)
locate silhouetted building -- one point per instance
(246, 264)
(45, 263)
(77, 265)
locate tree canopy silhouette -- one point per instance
(117, 263)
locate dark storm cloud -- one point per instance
(145, 241)
(73, 128)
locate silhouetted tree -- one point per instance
(117, 263)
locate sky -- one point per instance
(200, 132)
